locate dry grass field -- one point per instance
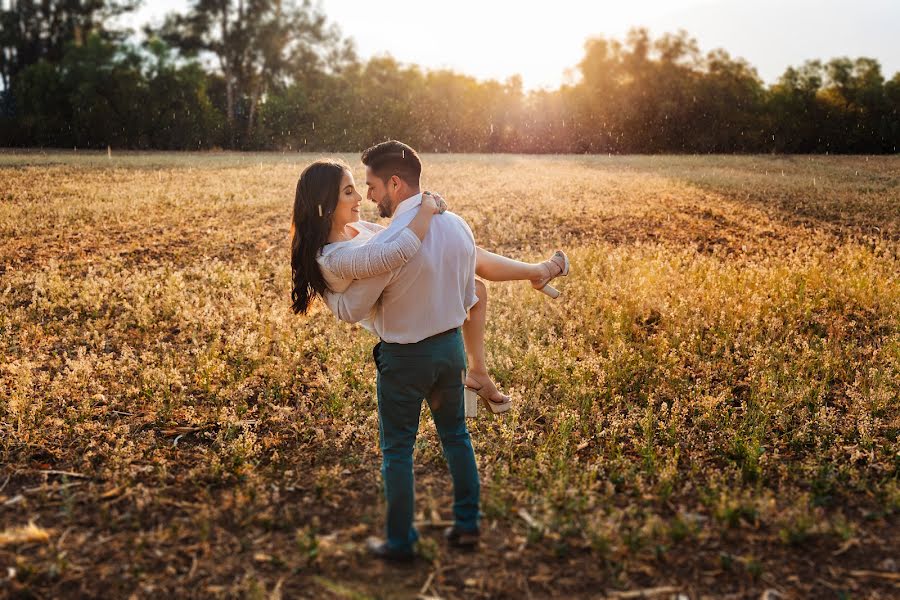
(710, 409)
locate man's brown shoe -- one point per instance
(458, 538)
(379, 549)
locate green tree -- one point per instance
(178, 113)
(41, 30)
(891, 125)
(729, 108)
(795, 111)
(855, 105)
(260, 45)
(105, 94)
(599, 104)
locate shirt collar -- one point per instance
(408, 204)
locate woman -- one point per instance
(331, 247)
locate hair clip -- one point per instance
(320, 210)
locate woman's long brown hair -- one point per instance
(314, 205)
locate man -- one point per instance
(418, 310)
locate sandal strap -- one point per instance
(558, 260)
(478, 389)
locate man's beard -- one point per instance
(384, 208)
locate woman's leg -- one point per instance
(494, 267)
(473, 337)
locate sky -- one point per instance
(544, 41)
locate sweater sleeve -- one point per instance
(373, 258)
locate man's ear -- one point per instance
(395, 182)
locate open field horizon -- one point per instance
(711, 406)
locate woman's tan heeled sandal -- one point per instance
(550, 291)
(560, 261)
(473, 398)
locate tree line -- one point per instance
(277, 75)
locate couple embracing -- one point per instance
(413, 284)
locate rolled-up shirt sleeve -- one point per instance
(374, 258)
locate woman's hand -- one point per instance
(432, 204)
(434, 201)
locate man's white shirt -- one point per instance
(430, 294)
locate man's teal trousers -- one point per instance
(433, 370)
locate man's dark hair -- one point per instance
(394, 158)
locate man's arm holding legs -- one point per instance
(355, 303)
